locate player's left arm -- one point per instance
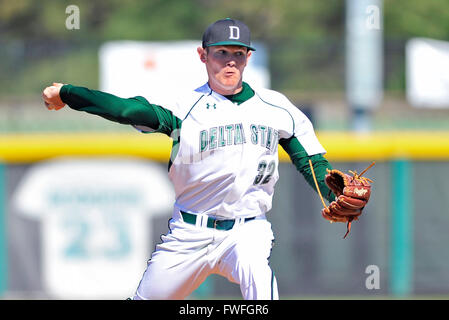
(300, 159)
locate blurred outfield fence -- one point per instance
(403, 231)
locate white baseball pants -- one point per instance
(189, 253)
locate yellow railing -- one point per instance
(340, 146)
(388, 145)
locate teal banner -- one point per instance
(402, 229)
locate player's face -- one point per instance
(225, 65)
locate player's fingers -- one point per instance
(49, 106)
(51, 97)
(49, 93)
(45, 97)
(45, 93)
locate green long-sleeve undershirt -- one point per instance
(138, 111)
(133, 111)
(300, 160)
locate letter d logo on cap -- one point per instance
(234, 32)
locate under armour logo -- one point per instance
(234, 32)
(208, 106)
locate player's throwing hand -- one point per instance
(51, 97)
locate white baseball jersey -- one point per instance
(226, 162)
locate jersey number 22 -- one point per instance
(265, 172)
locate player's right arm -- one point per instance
(136, 111)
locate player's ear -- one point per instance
(248, 55)
(202, 54)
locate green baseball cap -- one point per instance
(227, 32)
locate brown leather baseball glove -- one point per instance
(352, 194)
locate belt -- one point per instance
(212, 222)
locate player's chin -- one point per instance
(230, 82)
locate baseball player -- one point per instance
(223, 166)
